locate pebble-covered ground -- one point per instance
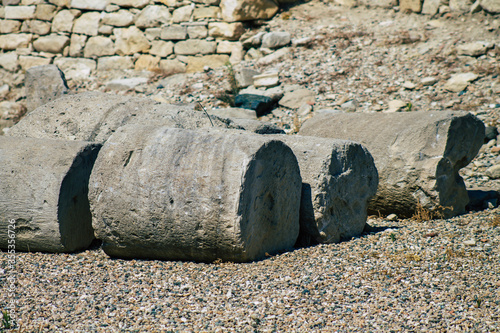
(400, 275)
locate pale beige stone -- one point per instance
(76, 68)
(98, 46)
(197, 64)
(45, 12)
(105, 29)
(121, 18)
(77, 43)
(114, 63)
(223, 30)
(410, 5)
(174, 32)
(161, 48)
(27, 62)
(225, 46)
(20, 12)
(237, 54)
(244, 10)
(51, 44)
(89, 4)
(87, 24)
(131, 3)
(182, 14)
(152, 33)
(195, 46)
(60, 3)
(36, 27)
(153, 16)
(197, 31)
(206, 13)
(9, 26)
(63, 21)
(491, 6)
(9, 61)
(146, 62)
(130, 40)
(172, 66)
(14, 41)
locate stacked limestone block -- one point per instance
(174, 36)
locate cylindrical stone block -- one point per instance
(339, 178)
(44, 187)
(176, 194)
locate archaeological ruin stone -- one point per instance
(175, 194)
(44, 84)
(44, 186)
(418, 155)
(338, 179)
(94, 116)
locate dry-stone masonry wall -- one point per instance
(170, 35)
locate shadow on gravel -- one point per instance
(482, 198)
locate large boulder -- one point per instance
(44, 84)
(338, 179)
(43, 188)
(94, 116)
(175, 194)
(418, 155)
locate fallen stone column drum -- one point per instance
(44, 187)
(418, 155)
(338, 179)
(176, 194)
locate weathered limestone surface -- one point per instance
(44, 84)
(166, 193)
(94, 116)
(338, 179)
(44, 188)
(417, 154)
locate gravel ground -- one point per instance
(402, 275)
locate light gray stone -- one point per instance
(418, 155)
(273, 57)
(153, 16)
(234, 113)
(131, 3)
(44, 84)
(491, 6)
(161, 48)
(45, 12)
(173, 66)
(194, 46)
(98, 5)
(121, 18)
(223, 30)
(98, 46)
(295, 99)
(152, 33)
(431, 7)
(8, 61)
(458, 82)
(63, 21)
(197, 32)
(276, 39)
(114, 63)
(268, 80)
(174, 32)
(182, 14)
(94, 116)
(200, 13)
(244, 77)
(14, 41)
(230, 196)
(9, 26)
(125, 84)
(339, 177)
(245, 10)
(493, 172)
(131, 40)
(51, 43)
(76, 68)
(20, 12)
(77, 43)
(87, 24)
(462, 6)
(36, 27)
(44, 189)
(474, 49)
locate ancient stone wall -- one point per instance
(175, 36)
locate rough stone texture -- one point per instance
(229, 31)
(338, 179)
(27, 62)
(51, 44)
(431, 7)
(77, 43)
(174, 32)
(94, 116)
(194, 46)
(131, 3)
(237, 113)
(460, 5)
(130, 41)
(36, 27)
(44, 188)
(161, 48)
(99, 5)
(87, 24)
(172, 66)
(474, 49)
(153, 16)
(197, 31)
(75, 69)
(44, 84)
(146, 62)
(63, 21)
(257, 126)
(20, 12)
(261, 104)
(295, 99)
(458, 82)
(276, 39)
(9, 26)
(418, 155)
(14, 41)
(411, 5)
(491, 6)
(206, 13)
(99, 46)
(244, 10)
(121, 18)
(197, 64)
(213, 195)
(45, 12)
(182, 14)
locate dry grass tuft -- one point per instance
(423, 214)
